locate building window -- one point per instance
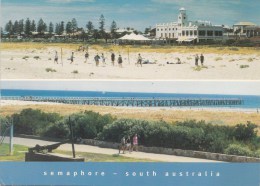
(202, 33)
(165, 29)
(195, 32)
(209, 33)
(218, 33)
(165, 34)
(169, 35)
(161, 34)
(183, 33)
(158, 29)
(191, 33)
(161, 29)
(187, 33)
(184, 17)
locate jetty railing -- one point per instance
(132, 102)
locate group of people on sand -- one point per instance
(97, 58)
(197, 58)
(128, 144)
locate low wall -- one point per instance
(177, 152)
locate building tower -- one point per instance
(182, 18)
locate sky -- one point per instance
(189, 87)
(138, 14)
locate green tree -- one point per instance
(16, 27)
(27, 29)
(21, 26)
(51, 28)
(69, 28)
(90, 27)
(33, 26)
(113, 29)
(102, 26)
(62, 29)
(9, 27)
(41, 26)
(74, 25)
(147, 30)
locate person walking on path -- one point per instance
(72, 58)
(120, 61)
(197, 60)
(135, 142)
(122, 145)
(139, 60)
(113, 59)
(97, 60)
(201, 59)
(56, 57)
(86, 57)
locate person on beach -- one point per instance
(139, 60)
(113, 59)
(56, 57)
(120, 61)
(135, 142)
(103, 59)
(201, 59)
(197, 60)
(72, 58)
(86, 57)
(96, 58)
(178, 60)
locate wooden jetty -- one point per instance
(132, 102)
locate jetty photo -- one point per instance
(137, 113)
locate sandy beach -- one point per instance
(37, 63)
(219, 116)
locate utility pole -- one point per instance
(11, 137)
(72, 138)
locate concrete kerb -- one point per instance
(177, 152)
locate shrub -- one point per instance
(36, 57)
(57, 130)
(245, 132)
(244, 66)
(89, 124)
(250, 59)
(218, 58)
(25, 57)
(235, 149)
(33, 122)
(75, 72)
(50, 70)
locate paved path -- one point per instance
(94, 149)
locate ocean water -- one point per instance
(250, 102)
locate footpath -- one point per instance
(99, 150)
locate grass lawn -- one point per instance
(18, 155)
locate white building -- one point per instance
(185, 30)
(248, 29)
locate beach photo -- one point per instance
(132, 121)
(55, 39)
